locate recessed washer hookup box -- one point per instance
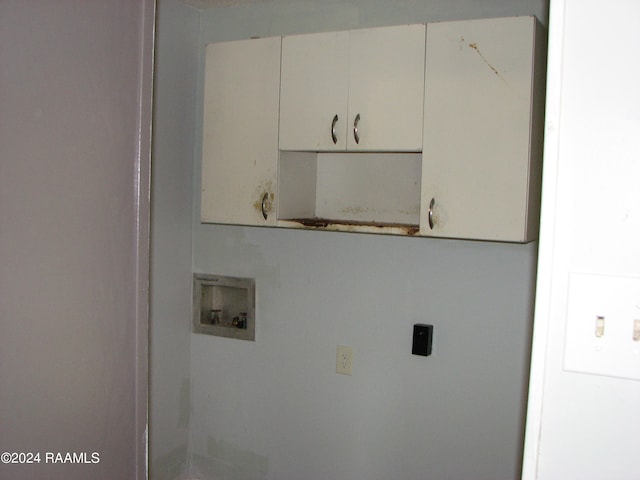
(224, 306)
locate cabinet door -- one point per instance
(481, 163)
(240, 132)
(313, 104)
(386, 88)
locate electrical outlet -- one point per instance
(344, 360)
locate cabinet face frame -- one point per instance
(240, 132)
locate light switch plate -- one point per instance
(602, 312)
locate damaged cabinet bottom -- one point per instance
(351, 226)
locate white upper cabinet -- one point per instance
(359, 91)
(484, 98)
(372, 131)
(240, 132)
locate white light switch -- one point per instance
(599, 326)
(602, 313)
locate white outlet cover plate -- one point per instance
(344, 360)
(617, 299)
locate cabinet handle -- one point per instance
(356, 136)
(265, 208)
(333, 129)
(431, 204)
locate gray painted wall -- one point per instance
(275, 408)
(75, 99)
(172, 192)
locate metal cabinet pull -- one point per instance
(265, 207)
(431, 205)
(333, 129)
(356, 136)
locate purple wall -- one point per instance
(75, 92)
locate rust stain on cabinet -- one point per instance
(484, 59)
(264, 187)
(353, 226)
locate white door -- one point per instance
(240, 132)
(75, 103)
(582, 415)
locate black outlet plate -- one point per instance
(422, 339)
